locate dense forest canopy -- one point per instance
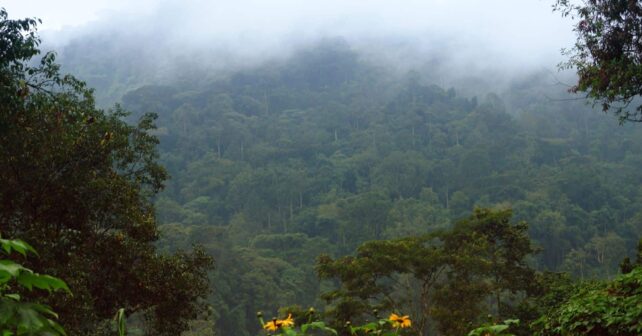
(324, 151)
(323, 178)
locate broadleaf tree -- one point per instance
(77, 182)
(607, 53)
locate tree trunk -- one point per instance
(291, 210)
(447, 207)
(413, 136)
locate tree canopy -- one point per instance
(76, 181)
(269, 173)
(322, 153)
(480, 261)
(608, 53)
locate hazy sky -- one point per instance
(57, 14)
(501, 19)
(516, 32)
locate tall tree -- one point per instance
(455, 277)
(396, 275)
(77, 181)
(486, 254)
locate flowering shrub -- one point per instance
(287, 327)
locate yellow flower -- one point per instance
(272, 325)
(288, 322)
(400, 321)
(276, 324)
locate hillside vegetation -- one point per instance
(275, 165)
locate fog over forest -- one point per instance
(492, 41)
(425, 168)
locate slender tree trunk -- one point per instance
(266, 107)
(498, 298)
(447, 207)
(278, 210)
(413, 136)
(581, 270)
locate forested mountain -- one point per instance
(276, 164)
(206, 170)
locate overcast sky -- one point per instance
(519, 32)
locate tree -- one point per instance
(607, 53)
(453, 277)
(396, 275)
(77, 181)
(486, 254)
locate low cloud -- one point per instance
(483, 37)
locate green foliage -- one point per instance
(18, 317)
(309, 328)
(488, 269)
(607, 53)
(611, 308)
(77, 182)
(312, 326)
(626, 266)
(493, 329)
(318, 154)
(368, 279)
(121, 321)
(482, 259)
(318, 325)
(274, 165)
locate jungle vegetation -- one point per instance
(321, 180)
